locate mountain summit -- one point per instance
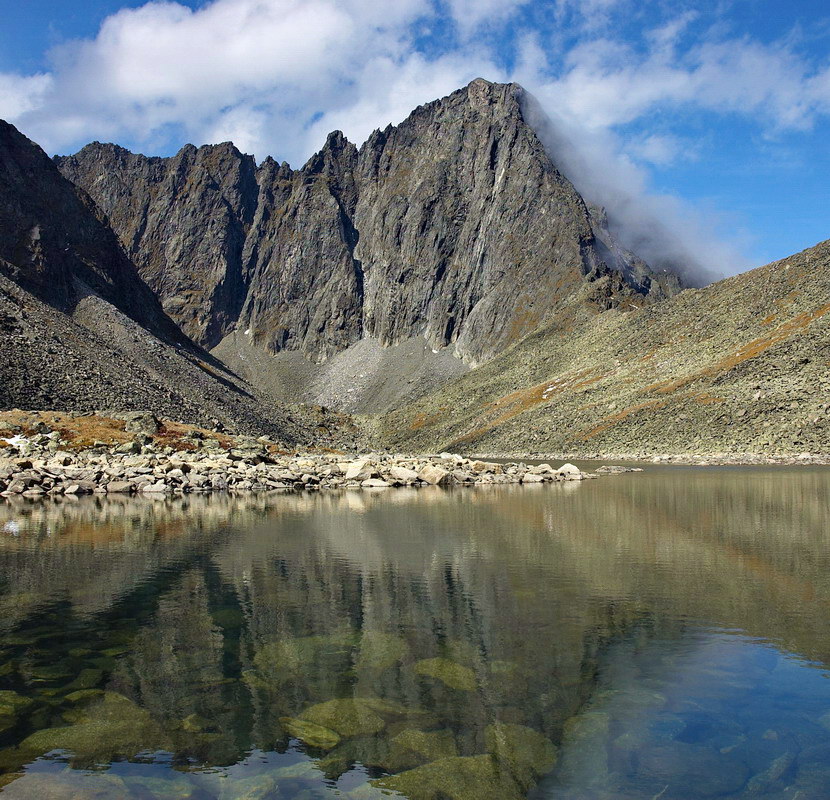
(454, 227)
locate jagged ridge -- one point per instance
(454, 225)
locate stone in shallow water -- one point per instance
(87, 679)
(69, 785)
(692, 770)
(256, 787)
(310, 733)
(82, 695)
(348, 717)
(105, 728)
(455, 778)
(370, 751)
(450, 673)
(12, 703)
(584, 751)
(289, 659)
(174, 787)
(379, 651)
(411, 748)
(525, 752)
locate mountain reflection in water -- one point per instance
(663, 634)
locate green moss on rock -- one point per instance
(12, 703)
(310, 733)
(450, 673)
(348, 717)
(456, 778)
(411, 748)
(106, 728)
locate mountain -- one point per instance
(445, 278)
(738, 367)
(437, 244)
(82, 331)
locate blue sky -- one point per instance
(709, 121)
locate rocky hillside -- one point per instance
(444, 277)
(740, 367)
(454, 226)
(81, 330)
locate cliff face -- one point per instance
(55, 243)
(455, 226)
(80, 329)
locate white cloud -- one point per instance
(472, 14)
(22, 93)
(660, 149)
(275, 76)
(664, 230)
(232, 65)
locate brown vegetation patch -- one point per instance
(746, 352)
(423, 420)
(617, 418)
(513, 404)
(82, 431)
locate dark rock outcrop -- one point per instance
(56, 244)
(455, 226)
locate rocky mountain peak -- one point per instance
(454, 227)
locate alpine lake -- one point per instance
(662, 635)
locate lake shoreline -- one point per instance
(679, 459)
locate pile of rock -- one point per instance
(250, 465)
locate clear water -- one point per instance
(656, 635)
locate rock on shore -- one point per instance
(45, 464)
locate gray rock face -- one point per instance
(455, 226)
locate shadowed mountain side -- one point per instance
(737, 367)
(56, 244)
(53, 361)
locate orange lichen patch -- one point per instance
(614, 419)
(513, 404)
(746, 352)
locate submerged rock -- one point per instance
(455, 778)
(310, 733)
(450, 673)
(525, 752)
(412, 748)
(379, 651)
(348, 717)
(289, 659)
(106, 728)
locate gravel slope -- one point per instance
(740, 367)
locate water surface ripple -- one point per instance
(663, 634)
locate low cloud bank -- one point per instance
(663, 230)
